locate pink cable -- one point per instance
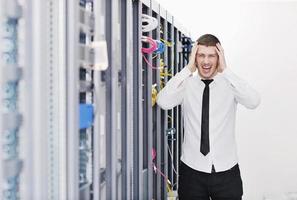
(150, 50)
(149, 64)
(154, 155)
(161, 173)
(153, 44)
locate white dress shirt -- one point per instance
(226, 91)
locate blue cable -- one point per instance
(161, 47)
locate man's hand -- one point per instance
(192, 61)
(222, 62)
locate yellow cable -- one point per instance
(162, 64)
(161, 29)
(169, 44)
(162, 84)
(165, 74)
(171, 119)
(154, 94)
(170, 193)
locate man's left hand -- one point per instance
(222, 62)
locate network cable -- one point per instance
(148, 23)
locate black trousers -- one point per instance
(196, 185)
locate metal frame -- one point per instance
(147, 120)
(165, 122)
(137, 110)
(130, 102)
(157, 123)
(180, 119)
(127, 102)
(43, 94)
(100, 122)
(113, 102)
(173, 72)
(176, 109)
(72, 100)
(149, 114)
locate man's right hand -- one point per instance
(192, 61)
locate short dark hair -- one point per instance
(208, 40)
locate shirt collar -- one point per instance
(216, 79)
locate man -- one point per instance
(209, 164)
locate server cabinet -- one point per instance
(162, 130)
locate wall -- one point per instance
(260, 44)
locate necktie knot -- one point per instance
(206, 81)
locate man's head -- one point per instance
(207, 59)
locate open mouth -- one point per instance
(206, 68)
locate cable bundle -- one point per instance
(152, 43)
(148, 23)
(149, 50)
(156, 46)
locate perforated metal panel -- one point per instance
(11, 163)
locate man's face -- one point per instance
(207, 61)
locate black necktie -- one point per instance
(204, 145)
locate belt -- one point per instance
(213, 170)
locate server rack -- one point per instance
(91, 133)
(45, 101)
(149, 132)
(86, 99)
(169, 131)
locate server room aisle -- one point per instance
(79, 81)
